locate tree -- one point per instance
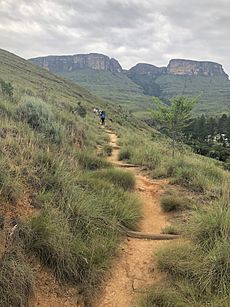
(174, 117)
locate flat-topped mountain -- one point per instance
(134, 87)
(67, 63)
(195, 68)
(180, 67)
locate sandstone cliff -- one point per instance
(195, 68)
(72, 62)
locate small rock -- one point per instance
(141, 189)
(136, 284)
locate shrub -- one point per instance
(124, 154)
(174, 203)
(40, 118)
(7, 88)
(81, 110)
(107, 150)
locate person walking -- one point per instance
(102, 118)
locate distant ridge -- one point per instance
(66, 63)
(133, 88)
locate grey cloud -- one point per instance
(130, 30)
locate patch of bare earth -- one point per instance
(49, 293)
(136, 268)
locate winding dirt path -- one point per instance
(135, 268)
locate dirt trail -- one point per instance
(135, 267)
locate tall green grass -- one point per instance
(79, 200)
(198, 267)
(198, 173)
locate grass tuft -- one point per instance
(174, 203)
(119, 178)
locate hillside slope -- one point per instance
(58, 222)
(113, 87)
(214, 91)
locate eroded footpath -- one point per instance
(136, 268)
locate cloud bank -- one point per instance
(132, 31)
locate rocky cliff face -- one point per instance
(72, 62)
(180, 67)
(195, 68)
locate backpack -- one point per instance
(102, 114)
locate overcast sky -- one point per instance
(132, 31)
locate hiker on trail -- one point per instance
(102, 114)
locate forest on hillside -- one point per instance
(210, 136)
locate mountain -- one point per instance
(134, 87)
(100, 75)
(69, 63)
(186, 77)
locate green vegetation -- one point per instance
(116, 88)
(124, 154)
(106, 150)
(214, 90)
(198, 266)
(16, 280)
(175, 117)
(122, 179)
(54, 184)
(69, 202)
(174, 203)
(6, 88)
(209, 136)
(172, 230)
(154, 154)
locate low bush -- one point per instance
(39, 117)
(124, 154)
(107, 150)
(174, 203)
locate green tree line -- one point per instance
(210, 136)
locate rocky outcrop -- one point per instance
(195, 68)
(72, 62)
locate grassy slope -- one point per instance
(119, 89)
(113, 87)
(215, 91)
(49, 182)
(198, 268)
